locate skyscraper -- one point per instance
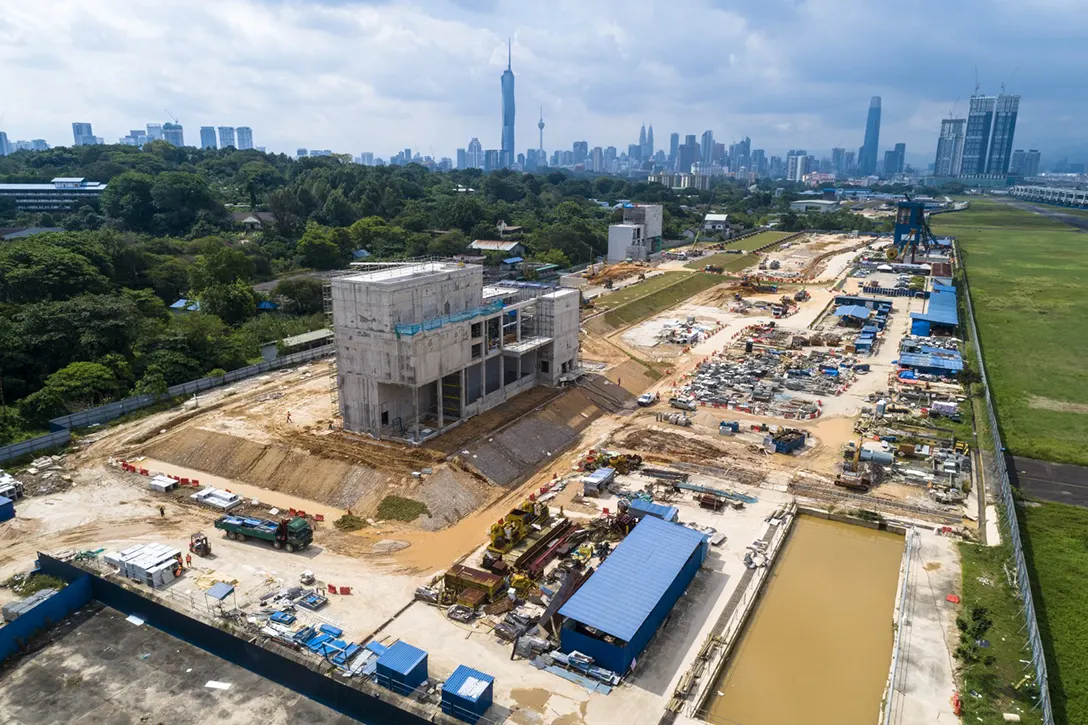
(950, 147)
(976, 139)
(867, 153)
(154, 132)
(707, 148)
(173, 134)
(838, 161)
(507, 151)
(4, 144)
(674, 149)
(245, 138)
(82, 134)
(641, 143)
(1006, 109)
(758, 162)
(648, 145)
(540, 125)
(462, 159)
(39, 144)
(581, 151)
(207, 137)
(226, 137)
(475, 154)
(1030, 166)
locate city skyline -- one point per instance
(309, 98)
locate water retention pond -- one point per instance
(818, 645)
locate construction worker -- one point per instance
(288, 416)
(188, 561)
(162, 512)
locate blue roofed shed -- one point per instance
(941, 313)
(640, 508)
(467, 694)
(184, 305)
(617, 611)
(402, 668)
(854, 311)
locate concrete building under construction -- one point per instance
(422, 346)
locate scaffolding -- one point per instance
(334, 380)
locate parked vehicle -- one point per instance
(683, 403)
(291, 534)
(647, 399)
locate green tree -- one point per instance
(219, 265)
(554, 256)
(31, 271)
(301, 295)
(317, 250)
(128, 199)
(153, 382)
(76, 386)
(12, 425)
(179, 199)
(233, 303)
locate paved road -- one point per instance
(1053, 212)
(1058, 482)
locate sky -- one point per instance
(382, 75)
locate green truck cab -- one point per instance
(291, 534)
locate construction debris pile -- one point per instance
(686, 332)
(45, 475)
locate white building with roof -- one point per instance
(60, 194)
(505, 246)
(423, 346)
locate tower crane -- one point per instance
(170, 115)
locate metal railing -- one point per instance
(1002, 486)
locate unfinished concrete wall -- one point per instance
(651, 216)
(558, 312)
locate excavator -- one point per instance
(851, 477)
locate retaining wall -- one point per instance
(14, 636)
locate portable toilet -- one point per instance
(402, 668)
(467, 694)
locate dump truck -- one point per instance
(291, 534)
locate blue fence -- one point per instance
(60, 428)
(15, 635)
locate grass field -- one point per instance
(639, 289)
(1028, 283)
(758, 240)
(1056, 545)
(985, 585)
(728, 262)
(660, 300)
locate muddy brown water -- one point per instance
(818, 646)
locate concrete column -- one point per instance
(441, 404)
(517, 327)
(415, 405)
(464, 392)
(483, 377)
(519, 368)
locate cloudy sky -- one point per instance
(380, 75)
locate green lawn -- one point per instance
(993, 680)
(639, 289)
(758, 240)
(1029, 283)
(660, 300)
(728, 262)
(1056, 546)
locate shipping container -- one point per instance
(402, 668)
(467, 694)
(7, 509)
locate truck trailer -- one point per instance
(291, 534)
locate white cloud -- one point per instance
(380, 76)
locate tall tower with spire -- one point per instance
(507, 152)
(648, 147)
(540, 125)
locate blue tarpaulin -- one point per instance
(855, 311)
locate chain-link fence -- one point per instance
(998, 474)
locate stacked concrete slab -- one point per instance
(150, 564)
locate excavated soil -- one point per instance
(666, 443)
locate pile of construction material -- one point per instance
(14, 610)
(155, 565)
(217, 498)
(689, 332)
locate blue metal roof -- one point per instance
(467, 683)
(184, 304)
(512, 260)
(628, 585)
(266, 305)
(401, 657)
(852, 311)
(928, 360)
(665, 513)
(941, 308)
(220, 591)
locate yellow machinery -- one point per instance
(510, 530)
